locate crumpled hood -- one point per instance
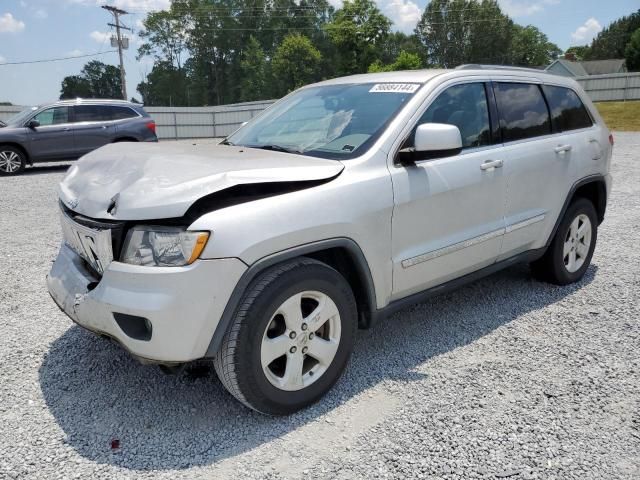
(162, 180)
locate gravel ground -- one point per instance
(506, 378)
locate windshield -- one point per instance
(333, 121)
(19, 118)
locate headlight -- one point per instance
(163, 246)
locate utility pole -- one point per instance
(116, 14)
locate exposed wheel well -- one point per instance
(19, 147)
(343, 261)
(125, 139)
(596, 193)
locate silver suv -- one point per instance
(68, 129)
(344, 202)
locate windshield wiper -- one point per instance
(276, 148)
(226, 142)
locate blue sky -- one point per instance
(42, 29)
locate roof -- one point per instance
(422, 76)
(574, 68)
(104, 101)
(411, 76)
(601, 67)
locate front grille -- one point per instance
(118, 229)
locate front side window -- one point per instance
(91, 113)
(331, 121)
(523, 111)
(567, 110)
(464, 106)
(53, 116)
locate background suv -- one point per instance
(68, 129)
(340, 204)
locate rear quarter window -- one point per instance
(523, 111)
(120, 113)
(567, 110)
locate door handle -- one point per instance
(491, 164)
(563, 148)
(66, 129)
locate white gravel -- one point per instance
(506, 378)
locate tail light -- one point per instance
(611, 139)
(151, 126)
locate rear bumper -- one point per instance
(182, 304)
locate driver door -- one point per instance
(448, 217)
(53, 139)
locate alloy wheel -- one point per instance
(10, 161)
(577, 243)
(300, 341)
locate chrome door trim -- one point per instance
(425, 257)
(525, 223)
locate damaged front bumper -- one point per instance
(177, 309)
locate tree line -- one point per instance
(620, 39)
(212, 52)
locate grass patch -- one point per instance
(621, 116)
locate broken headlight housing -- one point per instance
(159, 246)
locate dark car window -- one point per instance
(523, 111)
(92, 113)
(53, 116)
(567, 110)
(464, 106)
(120, 113)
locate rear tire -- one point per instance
(569, 255)
(290, 339)
(12, 160)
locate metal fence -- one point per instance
(175, 123)
(610, 87)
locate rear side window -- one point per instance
(567, 110)
(120, 113)
(91, 113)
(523, 111)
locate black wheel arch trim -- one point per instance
(598, 178)
(301, 250)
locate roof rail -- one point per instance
(473, 66)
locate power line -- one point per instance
(59, 59)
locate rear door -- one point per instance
(448, 218)
(54, 138)
(539, 164)
(94, 127)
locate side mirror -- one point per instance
(433, 140)
(33, 124)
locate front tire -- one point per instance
(290, 339)
(12, 160)
(569, 255)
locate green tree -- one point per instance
(165, 85)
(357, 31)
(465, 31)
(580, 52)
(96, 80)
(632, 52)
(612, 41)
(531, 47)
(165, 37)
(404, 61)
(295, 63)
(253, 81)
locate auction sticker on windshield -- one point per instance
(395, 87)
